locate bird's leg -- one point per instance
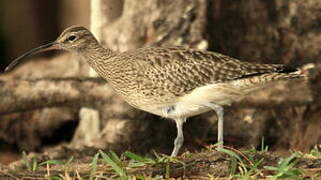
(180, 137)
(220, 122)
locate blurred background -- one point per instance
(27, 24)
(274, 31)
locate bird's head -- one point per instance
(75, 39)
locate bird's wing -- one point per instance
(179, 70)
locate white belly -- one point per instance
(197, 101)
(178, 111)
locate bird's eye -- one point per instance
(71, 38)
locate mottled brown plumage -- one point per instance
(173, 82)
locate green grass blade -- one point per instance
(264, 148)
(34, 164)
(120, 171)
(233, 166)
(55, 177)
(52, 162)
(115, 158)
(140, 177)
(230, 153)
(26, 161)
(69, 160)
(271, 168)
(134, 156)
(93, 166)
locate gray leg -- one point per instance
(179, 138)
(220, 116)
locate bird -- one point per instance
(173, 82)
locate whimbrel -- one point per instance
(172, 82)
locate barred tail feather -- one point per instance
(284, 76)
(248, 85)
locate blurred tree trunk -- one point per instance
(89, 125)
(102, 14)
(259, 31)
(273, 32)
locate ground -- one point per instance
(210, 163)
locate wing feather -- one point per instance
(178, 70)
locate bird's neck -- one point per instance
(108, 66)
(99, 58)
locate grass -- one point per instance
(316, 151)
(226, 163)
(264, 147)
(241, 169)
(117, 165)
(285, 168)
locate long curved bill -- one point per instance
(46, 47)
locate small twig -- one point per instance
(48, 169)
(238, 152)
(313, 169)
(9, 175)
